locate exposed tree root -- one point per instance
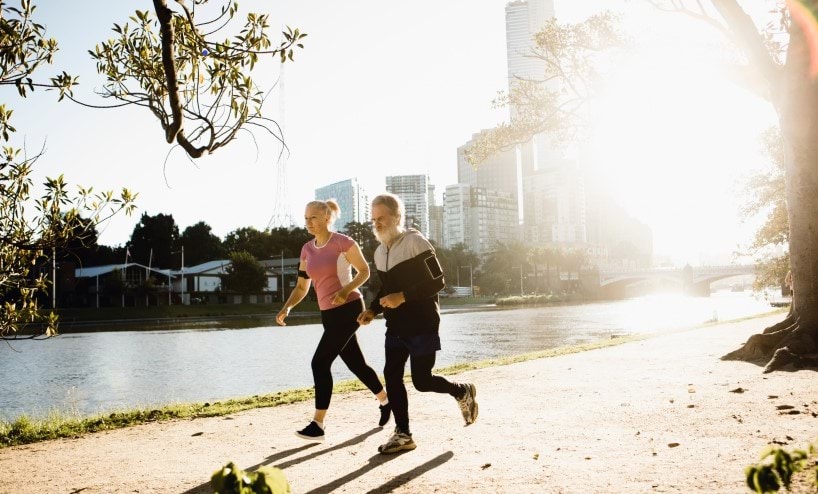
(787, 345)
(787, 322)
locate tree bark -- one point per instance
(795, 345)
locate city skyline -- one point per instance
(387, 110)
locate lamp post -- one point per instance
(521, 277)
(283, 288)
(471, 283)
(182, 272)
(170, 288)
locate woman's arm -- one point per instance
(356, 259)
(302, 286)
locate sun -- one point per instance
(671, 136)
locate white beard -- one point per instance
(388, 235)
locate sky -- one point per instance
(393, 88)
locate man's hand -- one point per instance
(283, 313)
(392, 300)
(366, 317)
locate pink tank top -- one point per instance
(329, 268)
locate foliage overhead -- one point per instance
(557, 103)
(199, 85)
(31, 225)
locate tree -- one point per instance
(782, 67)
(782, 56)
(455, 259)
(251, 240)
(58, 215)
(201, 245)
(288, 240)
(199, 88)
(502, 269)
(558, 103)
(363, 234)
(765, 192)
(245, 274)
(154, 240)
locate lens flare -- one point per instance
(803, 12)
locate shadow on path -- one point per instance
(413, 473)
(393, 484)
(349, 442)
(206, 489)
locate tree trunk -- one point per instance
(793, 343)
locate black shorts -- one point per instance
(422, 344)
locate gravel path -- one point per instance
(660, 415)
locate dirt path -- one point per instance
(661, 415)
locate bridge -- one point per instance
(694, 280)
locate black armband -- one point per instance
(433, 267)
(303, 274)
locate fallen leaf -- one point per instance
(672, 445)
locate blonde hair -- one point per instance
(393, 203)
(330, 207)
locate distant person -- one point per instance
(327, 261)
(411, 278)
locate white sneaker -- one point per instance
(400, 441)
(468, 404)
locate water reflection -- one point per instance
(88, 373)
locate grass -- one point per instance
(177, 311)
(73, 315)
(26, 430)
(538, 299)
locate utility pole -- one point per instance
(283, 286)
(54, 278)
(183, 275)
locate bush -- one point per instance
(233, 480)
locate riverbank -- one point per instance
(657, 415)
(74, 320)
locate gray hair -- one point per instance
(393, 203)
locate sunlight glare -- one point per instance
(672, 138)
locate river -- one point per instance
(100, 372)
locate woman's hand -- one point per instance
(283, 313)
(340, 297)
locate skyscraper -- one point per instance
(553, 195)
(414, 192)
(479, 218)
(498, 172)
(524, 18)
(351, 198)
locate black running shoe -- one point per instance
(386, 411)
(311, 433)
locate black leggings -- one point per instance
(339, 338)
(422, 378)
